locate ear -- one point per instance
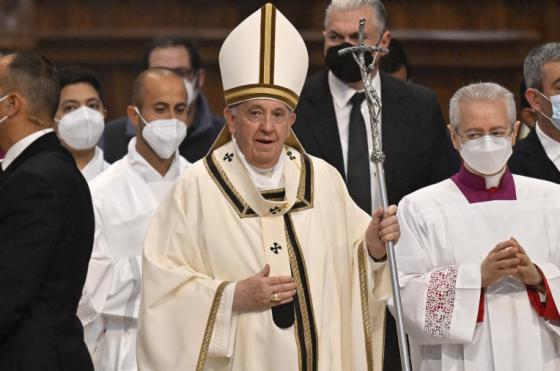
(292, 118)
(385, 39)
(514, 132)
(201, 79)
(230, 120)
(535, 99)
(132, 116)
(14, 104)
(454, 138)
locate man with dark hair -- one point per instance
(46, 228)
(178, 54)
(124, 198)
(80, 119)
(333, 122)
(396, 62)
(538, 155)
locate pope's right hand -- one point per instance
(261, 292)
(502, 261)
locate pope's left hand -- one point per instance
(383, 227)
(527, 271)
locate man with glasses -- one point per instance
(333, 122)
(478, 256)
(176, 53)
(538, 155)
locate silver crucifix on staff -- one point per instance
(377, 157)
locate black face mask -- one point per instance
(344, 66)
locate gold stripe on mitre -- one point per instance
(264, 91)
(268, 35)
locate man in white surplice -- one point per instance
(479, 253)
(259, 259)
(124, 198)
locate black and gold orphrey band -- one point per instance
(305, 330)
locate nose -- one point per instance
(267, 125)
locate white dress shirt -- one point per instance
(95, 166)
(21, 145)
(551, 147)
(342, 94)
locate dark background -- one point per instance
(450, 42)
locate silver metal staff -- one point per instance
(377, 157)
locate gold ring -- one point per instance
(275, 298)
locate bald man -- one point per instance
(124, 199)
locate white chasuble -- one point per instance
(216, 228)
(444, 240)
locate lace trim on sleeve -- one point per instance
(440, 301)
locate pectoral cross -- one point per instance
(228, 157)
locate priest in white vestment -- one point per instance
(259, 259)
(479, 254)
(124, 199)
(80, 119)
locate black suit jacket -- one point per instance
(415, 142)
(46, 238)
(530, 159)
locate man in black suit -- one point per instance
(333, 123)
(46, 226)
(177, 54)
(538, 154)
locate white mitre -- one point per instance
(264, 58)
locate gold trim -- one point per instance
(225, 178)
(365, 306)
(255, 91)
(267, 44)
(301, 296)
(210, 326)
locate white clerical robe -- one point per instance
(124, 198)
(443, 242)
(95, 166)
(216, 228)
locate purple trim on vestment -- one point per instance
(474, 189)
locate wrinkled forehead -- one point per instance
(263, 103)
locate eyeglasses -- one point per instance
(474, 135)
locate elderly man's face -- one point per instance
(343, 27)
(480, 118)
(260, 127)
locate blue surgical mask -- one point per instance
(555, 101)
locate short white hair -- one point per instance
(481, 91)
(346, 5)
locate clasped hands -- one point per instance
(508, 258)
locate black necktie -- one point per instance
(358, 179)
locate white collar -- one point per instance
(147, 171)
(493, 181)
(264, 179)
(95, 166)
(21, 145)
(342, 93)
(551, 147)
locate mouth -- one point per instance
(265, 141)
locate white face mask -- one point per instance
(555, 101)
(81, 128)
(163, 136)
(487, 154)
(3, 119)
(192, 91)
